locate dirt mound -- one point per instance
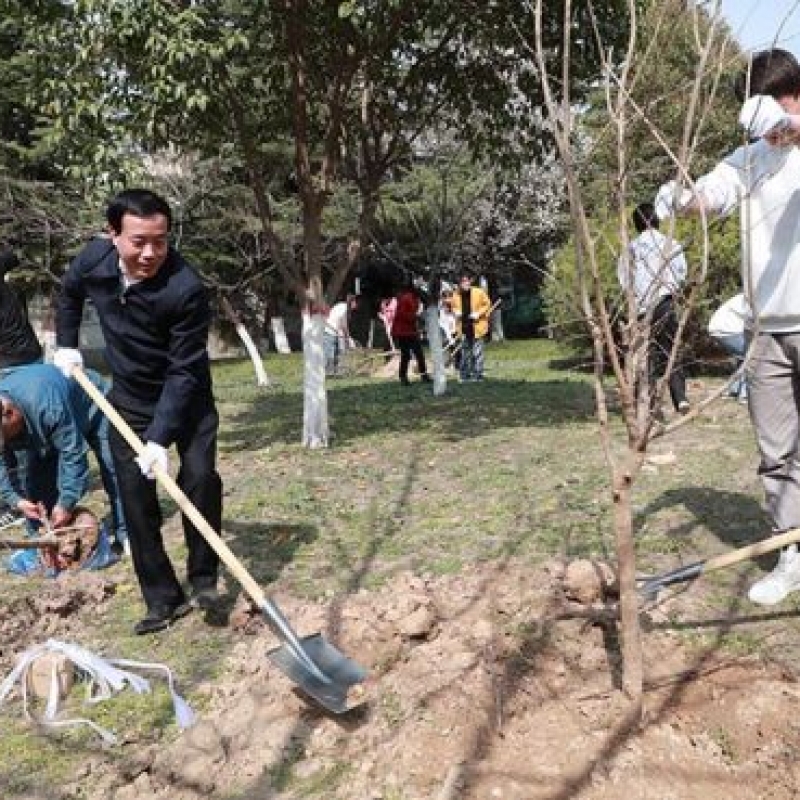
(53, 609)
(488, 684)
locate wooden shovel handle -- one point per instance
(175, 492)
(776, 542)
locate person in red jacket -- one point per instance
(405, 333)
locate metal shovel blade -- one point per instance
(313, 663)
(330, 682)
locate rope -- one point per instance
(104, 678)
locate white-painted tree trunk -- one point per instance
(434, 333)
(279, 334)
(255, 356)
(498, 335)
(315, 399)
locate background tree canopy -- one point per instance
(306, 141)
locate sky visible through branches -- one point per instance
(759, 24)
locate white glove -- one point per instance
(671, 198)
(457, 314)
(153, 456)
(474, 316)
(761, 115)
(66, 359)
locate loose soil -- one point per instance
(488, 684)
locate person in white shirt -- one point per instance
(763, 176)
(337, 334)
(447, 319)
(655, 268)
(727, 327)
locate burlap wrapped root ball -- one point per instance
(76, 542)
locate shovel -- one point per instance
(315, 665)
(650, 587)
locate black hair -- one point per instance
(139, 203)
(772, 72)
(644, 217)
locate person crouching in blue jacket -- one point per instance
(48, 425)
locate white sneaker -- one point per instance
(785, 578)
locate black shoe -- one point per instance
(405, 382)
(205, 599)
(160, 618)
(425, 378)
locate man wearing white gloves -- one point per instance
(155, 316)
(764, 177)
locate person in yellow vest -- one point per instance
(471, 307)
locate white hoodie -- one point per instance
(765, 181)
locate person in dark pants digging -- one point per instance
(406, 333)
(654, 267)
(155, 317)
(471, 308)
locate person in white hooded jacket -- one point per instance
(727, 326)
(762, 178)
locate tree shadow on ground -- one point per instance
(735, 519)
(264, 784)
(264, 550)
(363, 410)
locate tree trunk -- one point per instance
(255, 356)
(498, 335)
(434, 333)
(252, 351)
(315, 399)
(630, 631)
(279, 335)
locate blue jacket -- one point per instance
(156, 335)
(59, 416)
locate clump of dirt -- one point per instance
(55, 608)
(486, 684)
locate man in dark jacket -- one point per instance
(155, 317)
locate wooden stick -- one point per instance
(38, 543)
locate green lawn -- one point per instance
(510, 467)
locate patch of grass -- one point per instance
(29, 759)
(391, 709)
(281, 775)
(321, 783)
(507, 468)
(722, 738)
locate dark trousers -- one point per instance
(198, 479)
(408, 346)
(663, 329)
